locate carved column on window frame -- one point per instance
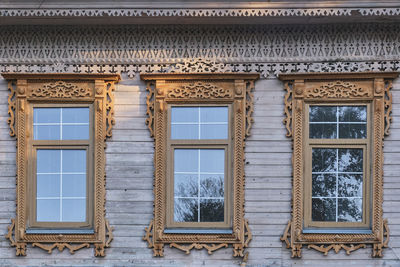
(337, 88)
(60, 88)
(235, 89)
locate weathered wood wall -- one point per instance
(129, 208)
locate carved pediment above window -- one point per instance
(61, 89)
(199, 90)
(337, 89)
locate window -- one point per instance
(199, 123)
(199, 144)
(337, 122)
(61, 123)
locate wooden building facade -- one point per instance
(131, 73)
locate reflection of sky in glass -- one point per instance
(61, 185)
(199, 122)
(332, 122)
(61, 123)
(199, 185)
(337, 180)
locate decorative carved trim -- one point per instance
(272, 11)
(324, 87)
(60, 89)
(150, 107)
(61, 246)
(388, 107)
(199, 90)
(337, 247)
(337, 89)
(11, 107)
(110, 121)
(288, 109)
(26, 88)
(234, 89)
(249, 106)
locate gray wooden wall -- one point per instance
(129, 191)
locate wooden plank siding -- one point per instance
(129, 205)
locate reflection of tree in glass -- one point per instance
(324, 209)
(353, 113)
(211, 210)
(323, 185)
(350, 185)
(212, 186)
(323, 113)
(350, 160)
(350, 210)
(323, 160)
(186, 210)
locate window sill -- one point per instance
(197, 231)
(337, 231)
(59, 231)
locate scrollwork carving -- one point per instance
(11, 107)
(61, 247)
(288, 109)
(249, 106)
(199, 90)
(19, 246)
(388, 106)
(60, 89)
(337, 89)
(337, 247)
(150, 107)
(110, 121)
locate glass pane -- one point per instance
(353, 113)
(323, 113)
(74, 161)
(75, 132)
(324, 209)
(184, 131)
(185, 114)
(48, 185)
(46, 115)
(214, 114)
(323, 185)
(48, 210)
(186, 160)
(214, 131)
(48, 160)
(185, 210)
(351, 160)
(74, 185)
(349, 210)
(74, 210)
(75, 115)
(324, 160)
(350, 185)
(46, 132)
(211, 185)
(353, 131)
(186, 185)
(212, 160)
(323, 131)
(211, 210)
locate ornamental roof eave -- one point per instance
(193, 12)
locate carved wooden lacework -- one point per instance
(219, 88)
(322, 88)
(61, 88)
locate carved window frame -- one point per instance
(371, 89)
(27, 90)
(201, 89)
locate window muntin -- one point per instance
(61, 149)
(337, 184)
(61, 193)
(61, 123)
(336, 172)
(199, 174)
(337, 122)
(199, 122)
(199, 177)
